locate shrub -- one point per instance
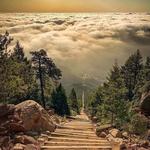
(138, 124)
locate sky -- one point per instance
(74, 5)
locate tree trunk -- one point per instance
(41, 85)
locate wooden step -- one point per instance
(75, 131)
(75, 128)
(77, 134)
(73, 135)
(54, 143)
(76, 139)
(76, 147)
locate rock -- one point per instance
(115, 132)
(94, 119)
(19, 146)
(102, 134)
(34, 117)
(44, 136)
(24, 139)
(16, 127)
(41, 140)
(4, 140)
(51, 112)
(102, 128)
(55, 119)
(134, 146)
(9, 122)
(123, 146)
(145, 103)
(145, 144)
(31, 147)
(125, 135)
(6, 109)
(110, 137)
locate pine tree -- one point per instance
(114, 102)
(43, 66)
(131, 73)
(74, 101)
(147, 69)
(18, 53)
(144, 82)
(96, 100)
(5, 63)
(17, 81)
(59, 101)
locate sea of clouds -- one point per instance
(81, 43)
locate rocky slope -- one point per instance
(22, 124)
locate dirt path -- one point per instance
(76, 134)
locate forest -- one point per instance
(116, 102)
(37, 78)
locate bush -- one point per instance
(138, 125)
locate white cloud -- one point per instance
(81, 43)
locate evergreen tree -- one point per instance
(43, 66)
(96, 100)
(147, 69)
(131, 73)
(5, 40)
(74, 101)
(17, 80)
(59, 101)
(18, 53)
(115, 103)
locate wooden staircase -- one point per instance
(77, 134)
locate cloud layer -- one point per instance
(81, 43)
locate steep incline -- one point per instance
(77, 134)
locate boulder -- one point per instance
(31, 147)
(144, 144)
(16, 127)
(34, 117)
(6, 109)
(125, 135)
(123, 146)
(55, 119)
(145, 103)
(102, 135)
(8, 121)
(24, 139)
(19, 146)
(115, 132)
(4, 141)
(51, 112)
(102, 128)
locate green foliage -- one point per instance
(114, 103)
(19, 75)
(44, 67)
(131, 73)
(59, 101)
(138, 124)
(73, 101)
(95, 99)
(17, 79)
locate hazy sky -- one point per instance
(73, 5)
